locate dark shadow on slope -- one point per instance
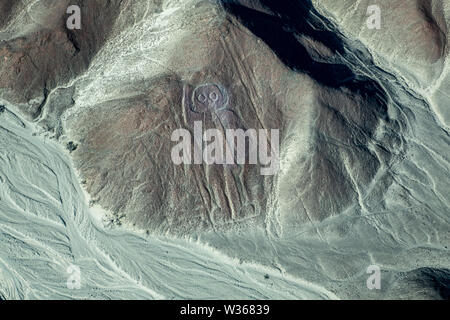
(438, 279)
(423, 283)
(280, 31)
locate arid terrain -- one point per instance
(361, 150)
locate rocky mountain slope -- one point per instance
(362, 115)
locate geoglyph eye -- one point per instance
(201, 97)
(214, 96)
